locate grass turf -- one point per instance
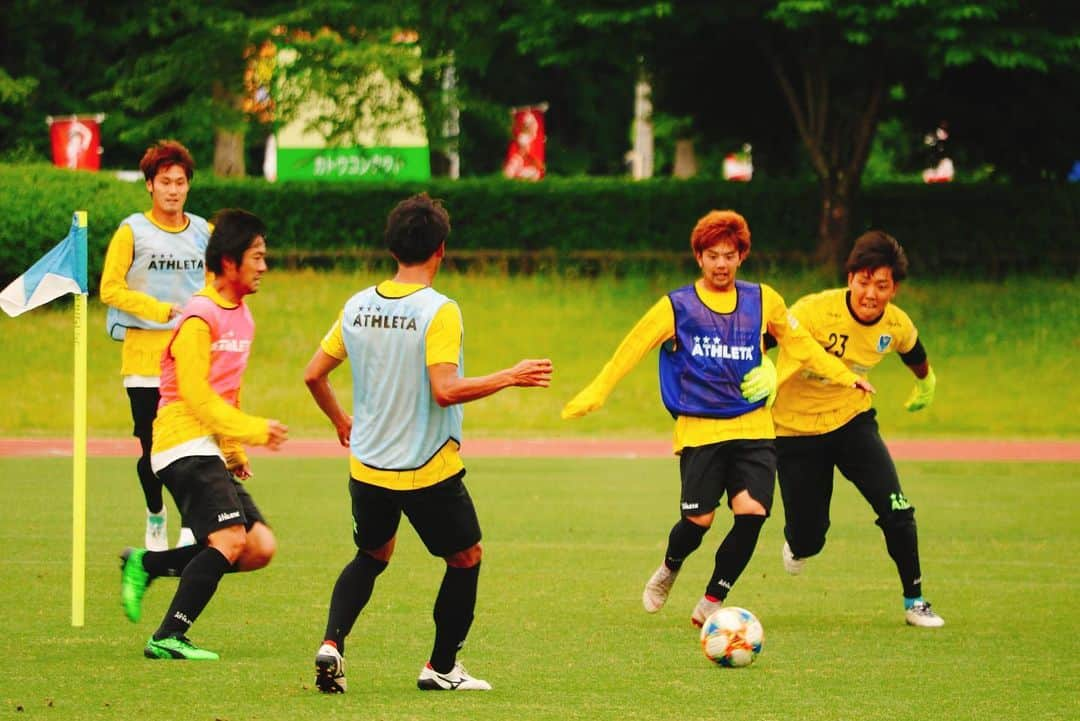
(560, 631)
(1003, 353)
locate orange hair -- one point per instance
(721, 226)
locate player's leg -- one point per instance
(144, 402)
(805, 475)
(213, 506)
(445, 519)
(750, 477)
(864, 459)
(376, 515)
(700, 489)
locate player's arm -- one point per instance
(655, 327)
(925, 381)
(330, 354)
(442, 351)
(114, 288)
(786, 328)
(191, 349)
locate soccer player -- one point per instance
(403, 340)
(715, 381)
(198, 437)
(154, 263)
(821, 426)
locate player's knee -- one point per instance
(897, 519)
(369, 564)
(259, 550)
(806, 544)
(467, 558)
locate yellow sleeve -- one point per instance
(191, 349)
(114, 288)
(655, 327)
(443, 339)
(783, 325)
(333, 343)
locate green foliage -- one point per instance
(951, 229)
(559, 599)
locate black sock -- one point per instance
(171, 562)
(151, 484)
(733, 555)
(197, 585)
(351, 593)
(684, 539)
(454, 608)
(902, 542)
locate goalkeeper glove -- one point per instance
(922, 393)
(587, 401)
(760, 383)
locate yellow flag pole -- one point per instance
(78, 495)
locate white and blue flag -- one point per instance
(62, 270)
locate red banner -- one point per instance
(76, 141)
(525, 157)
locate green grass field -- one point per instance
(560, 631)
(1004, 352)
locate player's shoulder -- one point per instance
(897, 317)
(826, 304)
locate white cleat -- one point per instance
(922, 615)
(657, 588)
(703, 610)
(458, 679)
(157, 532)
(792, 565)
(187, 538)
(329, 670)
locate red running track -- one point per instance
(902, 450)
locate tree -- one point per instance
(836, 63)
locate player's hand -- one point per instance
(278, 433)
(865, 385)
(243, 471)
(584, 402)
(532, 373)
(760, 383)
(923, 392)
(344, 432)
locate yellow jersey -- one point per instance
(442, 345)
(658, 325)
(806, 404)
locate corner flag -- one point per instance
(60, 271)
(63, 270)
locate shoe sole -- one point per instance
(325, 680)
(156, 653)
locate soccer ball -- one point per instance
(732, 637)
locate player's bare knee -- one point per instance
(467, 558)
(229, 542)
(704, 520)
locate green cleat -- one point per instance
(133, 582)
(177, 648)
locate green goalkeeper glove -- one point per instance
(922, 393)
(760, 382)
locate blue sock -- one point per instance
(909, 602)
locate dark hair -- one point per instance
(234, 232)
(878, 249)
(164, 153)
(415, 229)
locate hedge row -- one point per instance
(972, 229)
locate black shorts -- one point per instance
(443, 515)
(856, 449)
(144, 403)
(729, 466)
(208, 496)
